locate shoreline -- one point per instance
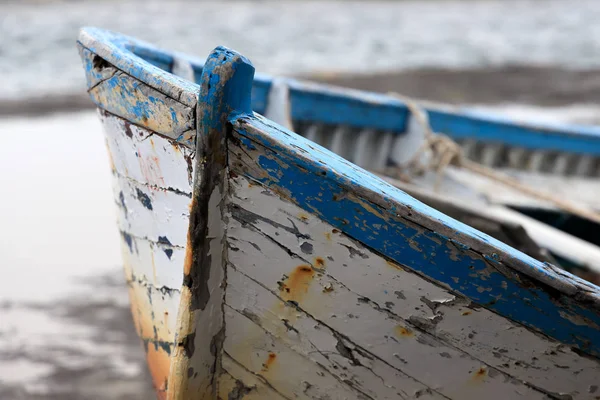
(523, 85)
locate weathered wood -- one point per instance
(137, 102)
(338, 358)
(148, 158)
(152, 189)
(488, 272)
(271, 268)
(236, 382)
(151, 213)
(225, 90)
(268, 235)
(121, 52)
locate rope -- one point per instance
(444, 151)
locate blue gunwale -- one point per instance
(487, 271)
(457, 256)
(331, 105)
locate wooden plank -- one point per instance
(236, 382)
(288, 372)
(482, 269)
(331, 350)
(122, 95)
(158, 215)
(156, 264)
(226, 85)
(318, 103)
(495, 341)
(148, 158)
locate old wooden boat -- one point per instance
(262, 265)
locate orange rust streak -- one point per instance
(393, 265)
(296, 286)
(328, 235)
(135, 313)
(404, 332)
(142, 310)
(159, 364)
(271, 358)
(319, 262)
(110, 157)
(480, 374)
(303, 217)
(187, 263)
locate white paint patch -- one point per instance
(439, 339)
(147, 158)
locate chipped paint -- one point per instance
(301, 177)
(506, 347)
(290, 259)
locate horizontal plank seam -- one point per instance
(132, 77)
(520, 266)
(153, 187)
(396, 317)
(147, 284)
(299, 308)
(305, 356)
(580, 290)
(151, 241)
(258, 376)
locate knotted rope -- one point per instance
(444, 151)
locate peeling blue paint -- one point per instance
(302, 176)
(330, 105)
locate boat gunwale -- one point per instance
(316, 102)
(581, 298)
(394, 201)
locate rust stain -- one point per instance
(153, 267)
(159, 364)
(328, 235)
(335, 230)
(480, 374)
(393, 265)
(135, 313)
(271, 358)
(150, 167)
(296, 285)
(328, 288)
(402, 331)
(303, 217)
(187, 263)
(466, 313)
(319, 262)
(110, 157)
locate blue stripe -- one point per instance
(337, 106)
(326, 185)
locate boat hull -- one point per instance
(261, 265)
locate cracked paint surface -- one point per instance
(270, 268)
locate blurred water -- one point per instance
(37, 49)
